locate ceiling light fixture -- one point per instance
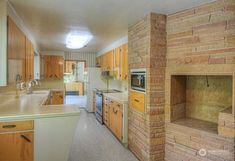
(77, 40)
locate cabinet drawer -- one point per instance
(137, 101)
(16, 126)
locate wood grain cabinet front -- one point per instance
(57, 97)
(16, 141)
(137, 101)
(113, 117)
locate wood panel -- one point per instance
(16, 126)
(75, 86)
(15, 51)
(16, 146)
(137, 101)
(53, 67)
(57, 97)
(124, 62)
(15, 41)
(68, 67)
(29, 61)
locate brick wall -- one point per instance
(200, 41)
(147, 49)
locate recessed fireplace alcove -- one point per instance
(197, 100)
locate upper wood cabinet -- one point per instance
(15, 41)
(29, 74)
(121, 62)
(53, 66)
(68, 66)
(106, 61)
(98, 61)
(124, 62)
(20, 53)
(115, 60)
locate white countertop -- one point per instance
(29, 106)
(119, 97)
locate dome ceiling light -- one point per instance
(77, 40)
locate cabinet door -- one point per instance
(58, 62)
(112, 121)
(117, 63)
(16, 146)
(47, 67)
(16, 41)
(57, 98)
(124, 66)
(118, 128)
(109, 59)
(29, 60)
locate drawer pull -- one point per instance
(25, 138)
(8, 126)
(115, 112)
(137, 100)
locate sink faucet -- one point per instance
(30, 84)
(18, 84)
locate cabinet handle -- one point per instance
(114, 111)
(25, 138)
(136, 100)
(8, 126)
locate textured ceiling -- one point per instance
(50, 21)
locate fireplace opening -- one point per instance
(197, 100)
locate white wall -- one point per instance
(113, 45)
(3, 43)
(58, 53)
(89, 57)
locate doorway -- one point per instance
(74, 82)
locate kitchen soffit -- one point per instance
(50, 21)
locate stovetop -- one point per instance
(108, 91)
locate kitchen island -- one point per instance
(40, 132)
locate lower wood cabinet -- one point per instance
(57, 97)
(16, 141)
(113, 117)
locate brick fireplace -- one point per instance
(200, 83)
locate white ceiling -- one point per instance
(50, 21)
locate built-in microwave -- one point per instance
(138, 77)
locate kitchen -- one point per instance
(120, 80)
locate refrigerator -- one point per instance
(92, 81)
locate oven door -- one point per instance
(138, 81)
(99, 103)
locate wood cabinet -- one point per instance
(106, 115)
(77, 87)
(137, 101)
(113, 117)
(115, 60)
(20, 53)
(16, 41)
(17, 141)
(57, 97)
(124, 62)
(98, 61)
(29, 74)
(69, 65)
(106, 61)
(53, 67)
